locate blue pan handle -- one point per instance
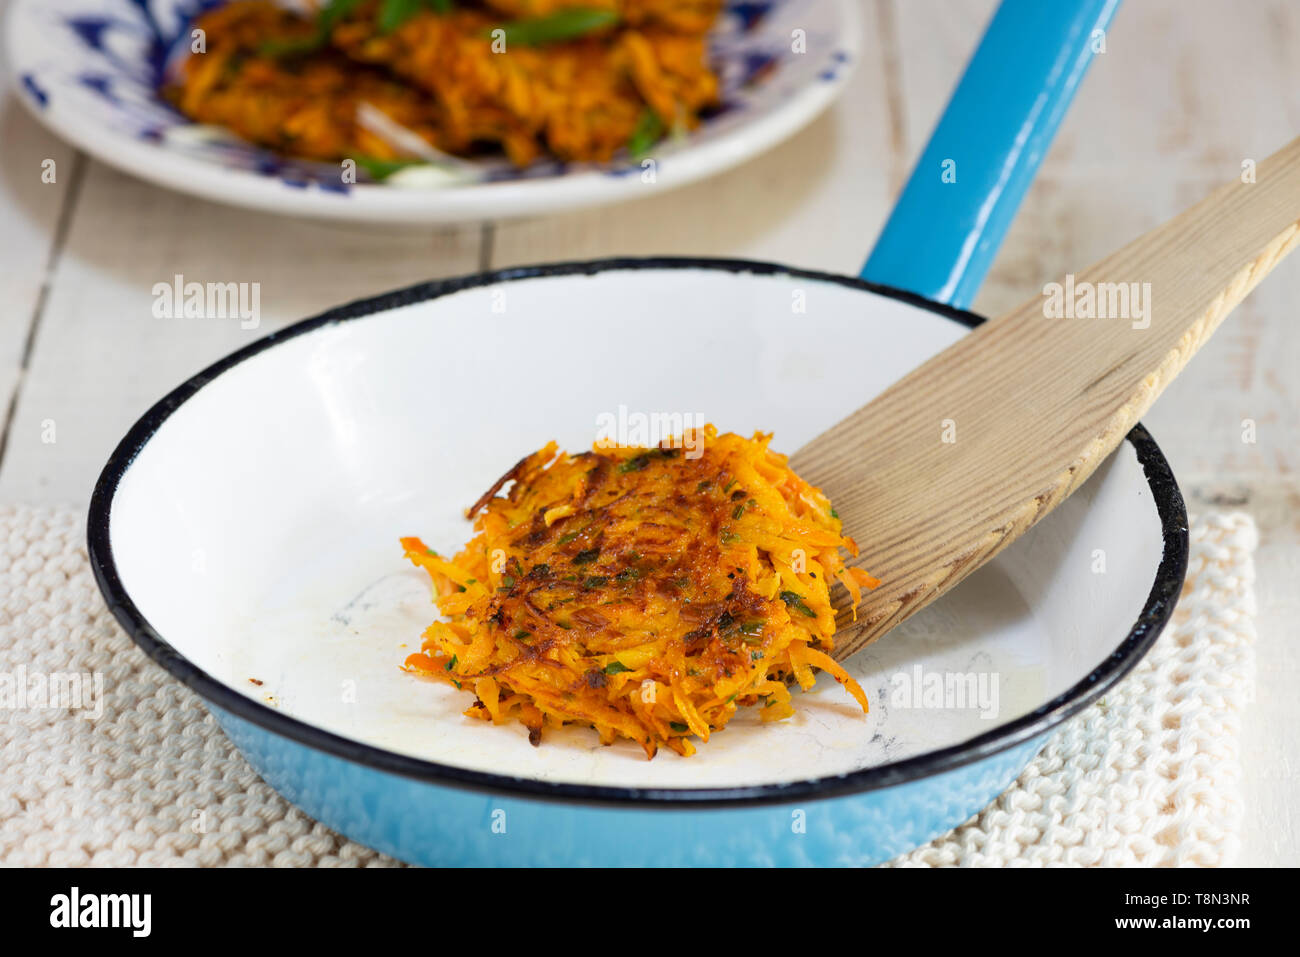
(955, 210)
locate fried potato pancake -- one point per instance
(528, 77)
(647, 593)
(305, 107)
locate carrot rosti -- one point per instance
(308, 107)
(645, 592)
(579, 80)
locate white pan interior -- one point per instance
(257, 530)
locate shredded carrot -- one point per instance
(645, 592)
(579, 80)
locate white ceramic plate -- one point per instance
(248, 526)
(90, 69)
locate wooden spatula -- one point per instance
(957, 459)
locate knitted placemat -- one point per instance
(1150, 775)
(139, 773)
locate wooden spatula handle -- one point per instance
(958, 458)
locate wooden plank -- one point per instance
(101, 357)
(935, 41)
(31, 208)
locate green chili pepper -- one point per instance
(559, 26)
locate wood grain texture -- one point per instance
(952, 463)
(100, 357)
(37, 188)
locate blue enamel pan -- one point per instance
(245, 531)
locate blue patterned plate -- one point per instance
(90, 70)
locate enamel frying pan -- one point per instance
(287, 471)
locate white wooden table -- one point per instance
(1186, 91)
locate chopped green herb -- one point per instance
(451, 664)
(728, 536)
(649, 131)
(795, 600)
(586, 556)
(328, 17)
(393, 13)
(738, 511)
(678, 726)
(562, 25)
(508, 581)
(521, 634)
(296, 46)
(335, 10)
(616, 668)
(566, 538)
(382, 169)
(596, 581)
(635, 464)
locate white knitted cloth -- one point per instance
(1149, 775)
